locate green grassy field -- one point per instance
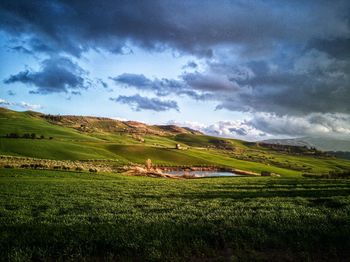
(61, 215)
(71, 144)
(75, 216)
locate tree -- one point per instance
(12, 135)
(33, 135)
(26, 135)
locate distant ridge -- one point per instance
(104, 124)
(321, 143)
(289, 142)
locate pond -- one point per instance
(203, 173)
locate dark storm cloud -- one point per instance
(21, 49)
(208, 82)
(315, 83)
(338, 48)
(56, 75)
(139, 103)
(161, 87)
(190, 64)
(190, 26)
(136, 80)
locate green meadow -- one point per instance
(49, 215)
(56, 215)
(71, 144)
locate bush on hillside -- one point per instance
(26, 135)
(12, 135)
(265, 173)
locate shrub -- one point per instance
(12, 135)
(26, 135)
(8, 166)
(265, 173)
(78, 168)
(36, 166)
(92, 170)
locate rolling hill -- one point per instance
(126, 142)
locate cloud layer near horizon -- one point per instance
(23, 105)
(264, 126)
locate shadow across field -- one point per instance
(268, 194)
(78, 216)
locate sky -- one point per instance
(251, 70)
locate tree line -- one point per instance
(26, 136)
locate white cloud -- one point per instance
(29, 106)
(264, 126)
(5, 102)
(22, 104)
(119, 118)
(315, 124)
(231, 129)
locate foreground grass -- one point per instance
(67, 215)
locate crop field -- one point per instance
(76, 215)
(62, 196)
